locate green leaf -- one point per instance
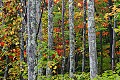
(116, 30)
(118, 27)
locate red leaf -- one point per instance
(1, 43)
(57, 30)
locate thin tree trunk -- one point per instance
(31, 46)
(21, 45)
(110, 30)
(21, 52)
(84, 35)
(50, 32)
(92, 39)
(71, 37)
(7, 68)
(63, 55)
(101, 57)
(23, 25)
(113, 45)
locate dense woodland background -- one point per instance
(59, 39)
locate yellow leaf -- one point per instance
(55, 67)
(79, 4)
(0, 70)
(58, 8)
(118, 10)
(12, 32)
(16, 43)
(53, 64)
(0, 13)
(114, 7)
(50, 66)
(117, 30)
(54, 71)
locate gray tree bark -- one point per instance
(63, 55)
(113, 45)
(31, 46)
(50, 31)
(22, 30)
(84, 35)
(39, 13)
(92, 39)
(71, 38)
(23, 25)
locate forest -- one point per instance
(59, 39)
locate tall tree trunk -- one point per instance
(110, 30)
(23, 25)
(113, 45)
(21, 52)
(84, 35)
(21, 45)
(39, 13)
(38, 34)
(101, 57)
(92, 39)
(71, 37)
(31, 46)
(50, 31)
(63, 55)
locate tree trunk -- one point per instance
(39, 31)
(50, 31)
(21, 52)
(101, 57)
(92, 40)
(71, 38)
(63, 55)
(31, 46)
(39, 13)
(113, 45)
(84, 35)
(23, 25)
(110, 30)
(7, 68)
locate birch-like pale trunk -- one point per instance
(84, 35)
(63, 55)
(31, 46)
(50, 32)
(92, 39)
(39, 13)
(71, 38)
(38, 18)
